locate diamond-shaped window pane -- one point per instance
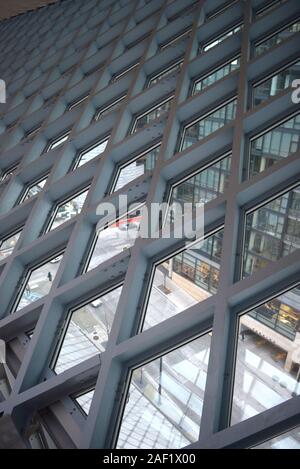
(146, 162)
(268, 356)
(34, 189)
(208, 124)
(92, 153)
(87, 331)
(8, 244)
(39, 282)
(205, 185)
(165, 399)
(68, 210)
(185, 279)
(117, 237)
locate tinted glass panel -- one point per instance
(277, 38)
(275, 84)
(272, 231)
(274, 145)
(203, 127)
(204, 186)
(149, 116)
(220, 73)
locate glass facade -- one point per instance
(91, 153)
(266, 9)
(172, 341)
(58, 141)
(261, 380)
(172, 70)
(86, 332)
(202, 83)
(273, 85)
(276, 38)
(7, 244)
(117, 237)
(184, 279)
(176, 39)
(122, 73)
(144, 162)
(7, 173)
(37, 282)
(215, 42)
(165, 398)
(32, 190)
(104, 111)
(272, 231)
(66, 210)
(206, 185)
(206, 125)
(273, 145)
(152, 114)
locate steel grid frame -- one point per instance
(63, 42)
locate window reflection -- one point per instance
(58, 141)
(7, 173)
(145, 162)
(219, 39)
(272, 231)
(150, 115)
(38, 283)
(224, 70)
(268, 356)
(275, 84)
(87, 332)
(206, 185)
(266, 9)
(184, 35)
(7, 245)
(204, 126)
(117, 237)
(33, 190)
(102, 112)
(91, 153)
(172, 70)
(277, 38)
(185, 279)
(67, 210)
(165, 398)
(274, 145)
(122, 73)
(85, 400)
(288, 440)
